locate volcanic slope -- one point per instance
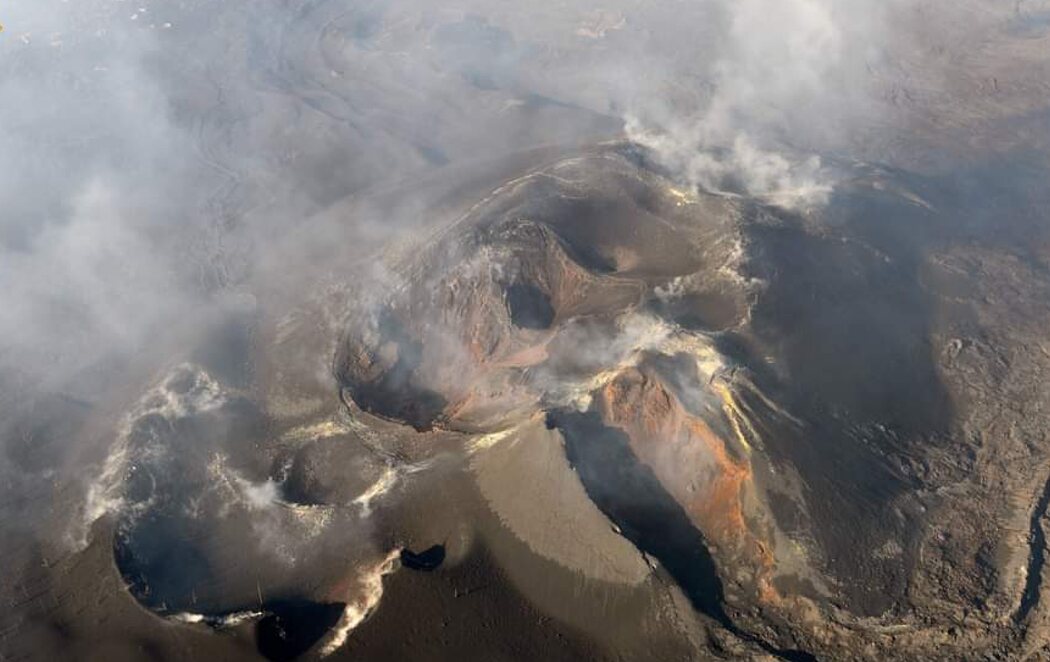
(753, 397)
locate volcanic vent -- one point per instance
(494, 315)
(561, 296)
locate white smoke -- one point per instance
(360, 605)
(186, 391)
(785, 74)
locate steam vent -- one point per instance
(377, 330)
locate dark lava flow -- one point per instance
(849, 322)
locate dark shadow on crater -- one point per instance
(160, 565)
(165, 537)
(631, 495)
(395, 394)
(291, 627)
(428, 560)
(529, 307)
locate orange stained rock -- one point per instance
(528, 356)
(691, 461)
(682, 450)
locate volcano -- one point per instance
(351, 330)
(750, 395)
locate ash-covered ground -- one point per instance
(400, 330)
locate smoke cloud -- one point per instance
(91, 169)
(151, 165)
(785, 79)
(167, 167)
